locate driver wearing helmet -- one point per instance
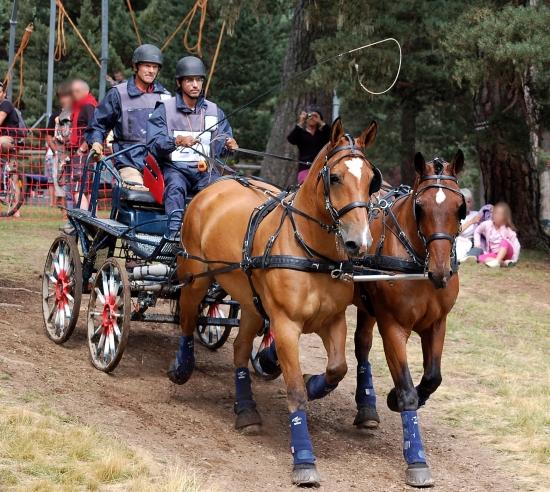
(182, 133)
(125, 110)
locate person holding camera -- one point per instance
(310, 135)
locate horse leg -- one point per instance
(248, 419)
(334, 340)
(365, 397)
(287, 336)
(432, 348)
(404, 398)
(190, 297)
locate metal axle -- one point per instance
(386, 277)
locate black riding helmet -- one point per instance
(190, 66)
(147, 53)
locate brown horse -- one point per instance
(324, 223)
(419, 229)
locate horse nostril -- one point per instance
(351, 245)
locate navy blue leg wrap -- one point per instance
(243, 390)
(317, 387)
(413, 448)
(364, 393)
(181, 369)
(268, 359)
(300, 443)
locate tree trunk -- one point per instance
(293, 99)
(408, 140)
(506, 158)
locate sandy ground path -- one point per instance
(193, 424)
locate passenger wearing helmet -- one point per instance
(181, 132)
(125, 110)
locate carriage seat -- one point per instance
(139, 197)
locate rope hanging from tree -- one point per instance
(134, 21)
(61, 48)
(19, 56)
(187, 21)
(215, 59)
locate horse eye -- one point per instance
(335, 179)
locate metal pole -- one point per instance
(51, 58)
(11, 49)
(389, 277)
(104, 46)
(335, 106)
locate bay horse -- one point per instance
(325, 223)
(417, 231)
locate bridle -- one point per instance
(324, 176)
(437, 236)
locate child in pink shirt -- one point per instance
(502, 245)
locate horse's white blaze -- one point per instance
(440, 196)
(366, 239)
(355, 166)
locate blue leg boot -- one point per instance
(418, 473)
(304, 471)
(181, 369)
(317, 386)
(248, 418)
(365, 397)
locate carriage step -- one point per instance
(155, 317)
(207, 320)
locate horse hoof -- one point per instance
(249, 422)
(367, 418)
(392, 401)
(419, 475)
(306, 475)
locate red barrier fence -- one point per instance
(39, 167)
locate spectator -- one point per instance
(116, 79)
(57, 136)
(310, 135)
(9, 119)
(502, 246)
(84, 104)
(9, 133)
(464, 240)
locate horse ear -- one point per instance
(368, 137)
(458, 162)
(419, 163)
(336, 131)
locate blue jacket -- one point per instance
(108, 116)
(161, 144)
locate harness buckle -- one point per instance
(339, 274)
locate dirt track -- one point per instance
(193, 424)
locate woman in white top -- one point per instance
(464, 241)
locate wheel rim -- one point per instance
(211, 334)
(106, 315)
(60, 289)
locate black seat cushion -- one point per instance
(137, 196)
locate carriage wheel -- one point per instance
(109, 313)
(212, 336)
(265, 342)
(61, 288)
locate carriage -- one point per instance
(126, 261)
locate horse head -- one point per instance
(343, 180)
(439, 206)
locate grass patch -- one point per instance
(43, 451)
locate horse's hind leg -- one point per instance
(432, 348)
(190, 297)
(365, 397)
(404, 399)
(248, 419)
